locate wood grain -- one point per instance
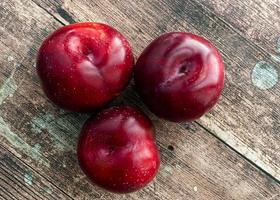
(246, 118)
(257, 20)
(39, 134)
(19, 181)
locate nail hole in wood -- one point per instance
(170, 147)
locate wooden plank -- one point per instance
(209, 168)
(199, 167)
(19, 181)
(256, 19)
(247, 107)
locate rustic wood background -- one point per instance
(231, 153)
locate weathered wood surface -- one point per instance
(232, 153)
(248, 116)
(19, 181)
(259, 21)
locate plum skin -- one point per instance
(179, 76)
(117, 150)
(83, 66)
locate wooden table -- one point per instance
(233, 152)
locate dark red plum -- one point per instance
(180, 76)
(84, 65)
(117, 150)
